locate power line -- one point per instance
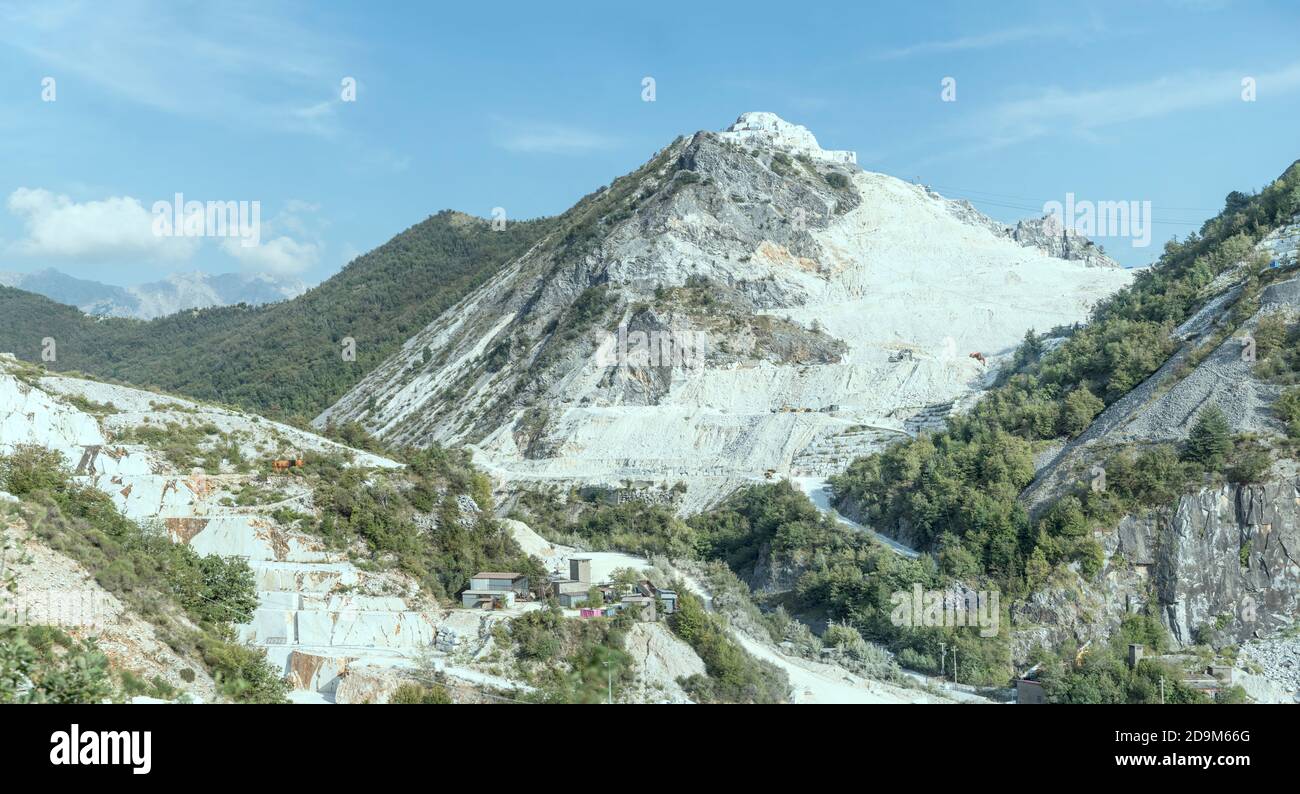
(1039, 207)
(1031, 198)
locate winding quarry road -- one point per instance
(817, 489)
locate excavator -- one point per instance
(1083, 651)
(294, 461)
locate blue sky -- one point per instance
(477, 106)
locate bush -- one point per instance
(1249, 461)
(242, 673)
(733, 675)
(837, 180)
(569, 661)
(1209, 440)
(31, 469)
(1078, 410)
(41, 664)
(417, 693)
(391, 519)
(1287, 407)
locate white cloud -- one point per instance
(277, 253)
(1056, 111)
(981, 41)
(281, 256)
(548, 138)
(235, 62)
(121, 229)
(111, 229)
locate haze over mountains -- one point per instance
(173, 293)
(282, 359)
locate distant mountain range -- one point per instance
(176, 292)
(280, 359)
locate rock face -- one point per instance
(661, 661)
(338, 633)
(51, 588)
(1223, 566)
(770, 131)
(318, 614)
(1163, 408)
(1047, 234)
(812, 312)
(1065, 610)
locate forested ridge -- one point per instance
(959, 488)
(282, 360)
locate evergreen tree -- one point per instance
(1209, 440)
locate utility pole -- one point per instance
(610, 672)
(1162, 690)
(954, 664)
(943, 655)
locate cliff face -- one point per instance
(317, 613)
(829, 310)
(1223, 566)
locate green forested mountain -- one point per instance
(282, 360)
(956, 491)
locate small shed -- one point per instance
(646, 603)
(570, 593)
(668, 598)
(1029, 692)
(487, 599)
(580, 569)
(499, 580)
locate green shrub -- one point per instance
(1287, 407)
(381, 512)
(35, 670)
(417, 693)
(570, 661)
(1209, 440)
(837, 180)
(30, 469)
(243, 674)
(733, 675)
(1078, 410)
(1249, 461)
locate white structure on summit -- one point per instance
(769, 129)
